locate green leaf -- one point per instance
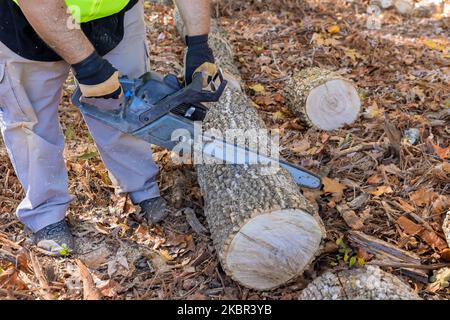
(352, 261)
(340, 241)
(361, 262)
(65, 251)
(447, 103)
(88, 156)
(346, 257)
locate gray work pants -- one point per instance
(30, 93)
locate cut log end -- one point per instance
(273, 248)
(333, 105)
(323, 99)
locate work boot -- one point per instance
(155, 209)
(55, 239)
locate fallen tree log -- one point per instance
(421, 8)
(368, 283)
(386, 252)
(323, 99)
(265, 232)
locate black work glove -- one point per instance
(98, 81)
(197, 54)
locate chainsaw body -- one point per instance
(154, 107)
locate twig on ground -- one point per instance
(360, 147)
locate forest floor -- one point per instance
(403, 73)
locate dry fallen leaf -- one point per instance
(381, 190)
(373, 111)
(333, 186)
(10, 279)
(408, 226)
(433, 240)
(300, 146)
(90, 292)
(109, 288)
(440, 204)
(334, 29)
(433, 45)
(166, 255)
(423, 197)
(443, 153)
(353, 54)
(278, 115)
(375, 179)
(445, 254)
(257, 88)
(411, 228)
(97, 257)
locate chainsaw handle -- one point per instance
(208, 71)
(196, 93)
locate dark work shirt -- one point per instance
(18, 35)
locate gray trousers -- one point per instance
(30, 93)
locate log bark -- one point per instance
(385, 4)
(322, 99)
(265, 232)
(404, 7)
(368, 283)
(446, 227)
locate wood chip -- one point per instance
(350, 217)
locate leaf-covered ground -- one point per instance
(401, 186)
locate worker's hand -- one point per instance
(198, 53)
(99, 82)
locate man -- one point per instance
(39, 44)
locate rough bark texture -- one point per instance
(446, 227)
(322, 98)
(265, 231)
(385, 4)
(369, 283)
(422, 8)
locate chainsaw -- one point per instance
(155, 106)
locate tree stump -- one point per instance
(322, 98)
(265, 232)
(368, 283)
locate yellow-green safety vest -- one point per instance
(88, 10)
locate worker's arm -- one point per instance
(50, 19)
(196, 15)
